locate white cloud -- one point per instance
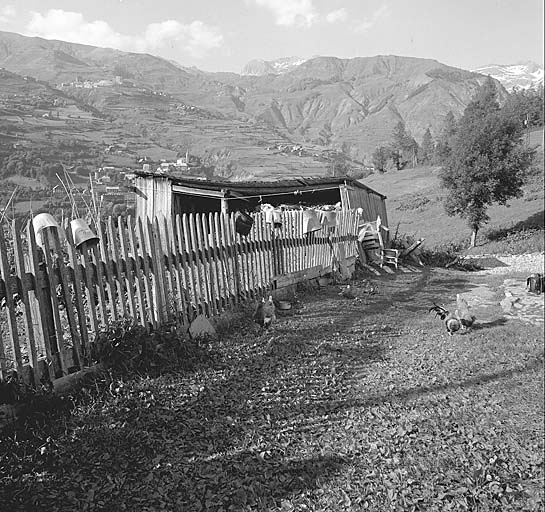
(300, 13)
(365, 25)
(338, 15)
(194, 39)
(7, 13)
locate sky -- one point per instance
(223, 35)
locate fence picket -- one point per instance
(29, 327)
(105, 248)
(241, 274)
(100, 283)
(166, 267)
(221, 261)
(137, 272)
(3, 358)
(92, 297)
(191, 250)
(233, 276)
(68, 302)
(202, 229)
(128, 268)
(10, 303)
(148, 284)
(177, 270)
(43, 307)
(112, 263)
(157, 266)
(185, 258)
(213, 253)
(245, 251)
(79, 294)
(58, 348)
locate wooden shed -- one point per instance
(169, 195)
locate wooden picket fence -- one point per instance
(55, 298)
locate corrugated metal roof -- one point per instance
(258, 187)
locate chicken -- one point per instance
(463, 312)
(452, 323)
(265, 313)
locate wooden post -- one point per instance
(78, 280)
(42, 305)
(58, 346)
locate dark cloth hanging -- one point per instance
(243, 223)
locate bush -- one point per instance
(438, 256)
(125, 348)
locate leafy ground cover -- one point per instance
(349, 404)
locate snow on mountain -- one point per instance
(525, 75)
(258, 67)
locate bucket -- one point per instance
(42, 221)
(310, 221)
(81, 232)
(243, 223)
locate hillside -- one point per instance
(322, 102)
(415, 204)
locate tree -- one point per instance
(404, 143)
(380, 158)
(444, 142)
(427, 148)
(526, 106)
(487, 163)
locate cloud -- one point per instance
(365, 25)
(7, 13)
(299, 13)
(194, 39)
(338, 15)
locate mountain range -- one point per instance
(525, 75)
(258, 67)
(321, 103)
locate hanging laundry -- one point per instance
(277, 218)
(310, 221)
(243, 223)
(328, 218)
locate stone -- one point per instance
(507, 304)
(201, 326)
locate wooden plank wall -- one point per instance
(55, 298)
(372, 204)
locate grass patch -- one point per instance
(349, 404)
(525, 236)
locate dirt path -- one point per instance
(508, 290)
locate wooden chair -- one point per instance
(373, 243)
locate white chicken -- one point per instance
(463, 312)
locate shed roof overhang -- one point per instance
(224, 188)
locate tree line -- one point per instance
(523, 107)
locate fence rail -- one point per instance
(55, 298)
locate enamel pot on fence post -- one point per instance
(41, 222)
(82, 233)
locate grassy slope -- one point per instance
(359, 404)
(410, 190)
